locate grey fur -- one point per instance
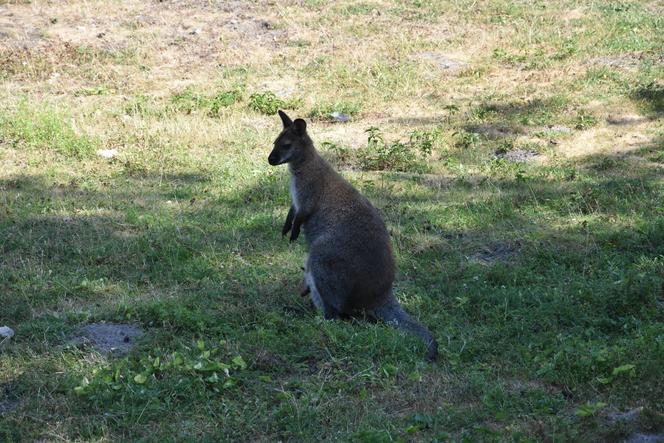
(350, 267)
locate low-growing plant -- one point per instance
(398, 156)
(466, 139)
(200, 364)
(224, 99)
(584, 120)
(189, 100)
(268, 103)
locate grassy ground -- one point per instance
(543, 279)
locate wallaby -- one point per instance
(350, 268)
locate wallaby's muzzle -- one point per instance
(273, 159)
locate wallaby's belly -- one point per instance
(351, 259)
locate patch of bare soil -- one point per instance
(638, 437)
(443, 62)
(110, 338)
(261, 31)
(502, 251)
(162, 41)
(623, 61)
(495, 131)
(626, 119)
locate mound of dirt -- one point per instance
(110, 338)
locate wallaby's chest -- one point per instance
(294, 194)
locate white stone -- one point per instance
(6, 332)
(107, 153)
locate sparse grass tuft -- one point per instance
(44, 129)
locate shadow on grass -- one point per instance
(651, 96)
(185, 258)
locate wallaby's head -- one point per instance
(293, 144)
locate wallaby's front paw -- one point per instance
(304, 289)
(295, 233)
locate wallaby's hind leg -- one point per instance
(329, 311)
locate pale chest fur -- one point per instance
(293, 193)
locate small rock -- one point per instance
(107, 153)
(340, 117)
(6, 334)
(196, 31)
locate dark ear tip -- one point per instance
(284, 118)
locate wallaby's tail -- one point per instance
(393, 313)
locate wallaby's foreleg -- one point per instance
(289, 221)
(297, 222)
(304, 288)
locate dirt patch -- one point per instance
(623, 61)
(110, 338)
(517, 155)
(494, 131)
(558, 129)
(627, 119)
(645, 438)
(261, 31)
(627, 416)
(503, 251)
(441, 61)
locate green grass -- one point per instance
(542, 280)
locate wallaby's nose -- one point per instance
(272, 159)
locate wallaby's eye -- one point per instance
(286, 145)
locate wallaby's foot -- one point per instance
(329, 313)
(295, 233)
(304, 289)
(432, 354)
(289, 221)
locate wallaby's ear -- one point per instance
(285, 119)
(300, 126)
